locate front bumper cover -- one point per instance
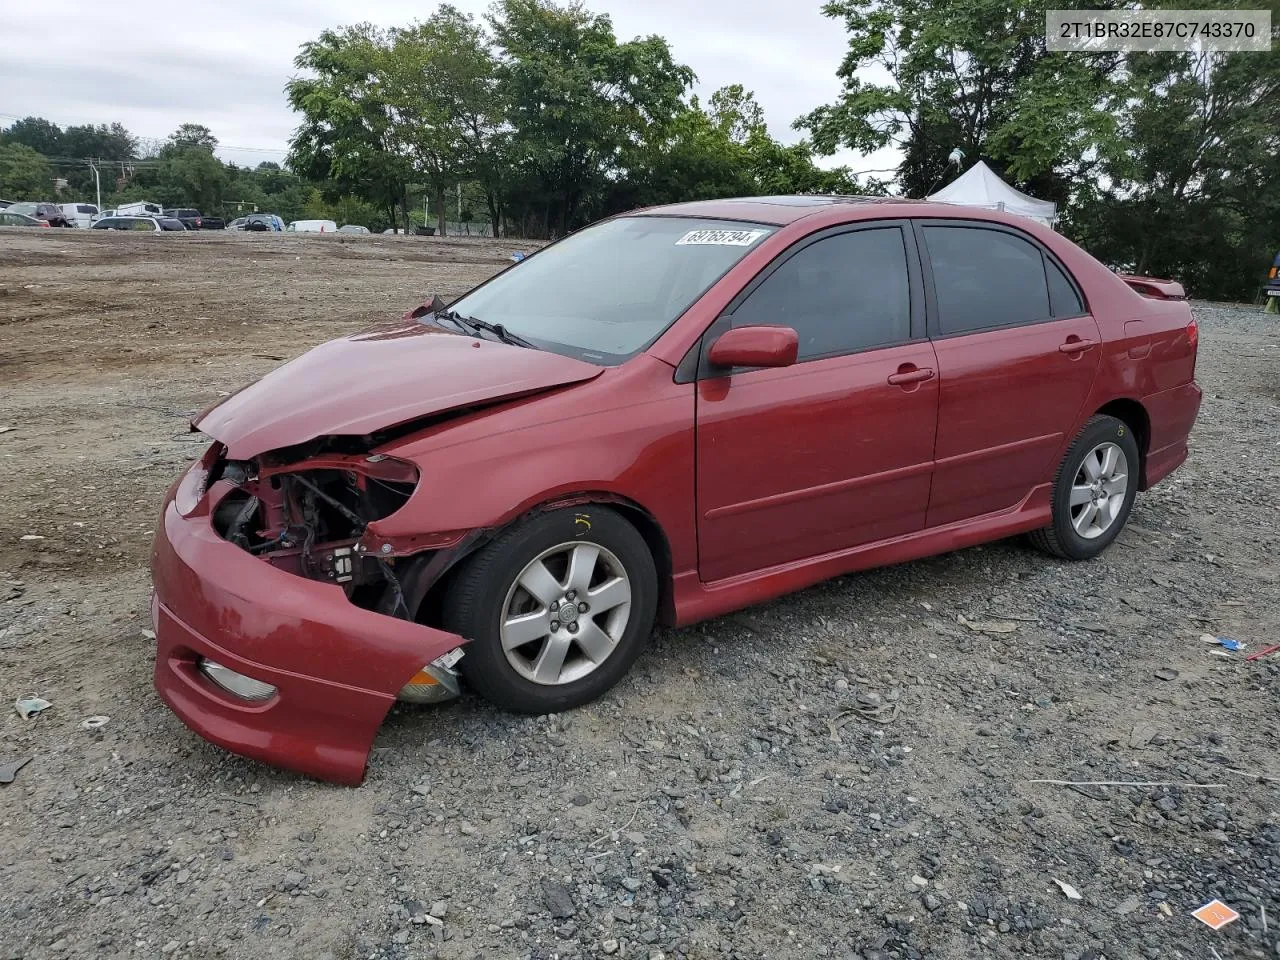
(336, 666)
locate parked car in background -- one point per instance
(312, 226)
(1273, 279)
(352, 228)
(667, 415)
(142, 224)
(190, 217)
(50, 213)
(193, 219)
(257, 222)
(142, 208)
(8, 219)
(80, 215)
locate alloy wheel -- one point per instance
(565, 613)
(1098, 491)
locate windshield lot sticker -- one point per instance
(720, 238)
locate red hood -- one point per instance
(371, 381)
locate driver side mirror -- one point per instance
(757, 346)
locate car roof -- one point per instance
(778, 210)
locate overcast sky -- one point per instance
(154, 64)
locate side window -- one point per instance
(841, 294)
(141, 225)
(1063, 298)
(985, 278)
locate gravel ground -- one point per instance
(848, 772)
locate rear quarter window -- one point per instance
(1063, 299)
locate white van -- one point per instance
(312, 226)
(79, 214)
(140, 209)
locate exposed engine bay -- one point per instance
(304, 510)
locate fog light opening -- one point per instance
(236, 684)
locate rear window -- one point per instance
(168, 223)
(85, 208)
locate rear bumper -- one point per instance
(336, 667)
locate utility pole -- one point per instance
(97, 182)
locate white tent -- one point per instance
(980, 187)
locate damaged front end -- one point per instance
(309, 511)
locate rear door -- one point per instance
(1017, 355)
(836, 450)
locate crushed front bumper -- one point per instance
(336, 667)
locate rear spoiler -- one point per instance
(1154, 289)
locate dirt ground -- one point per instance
(847, 772)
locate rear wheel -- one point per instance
(556, 609)
(1093, 491)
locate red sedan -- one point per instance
(665, 416)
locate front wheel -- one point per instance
(556, 608)
(1093, 491)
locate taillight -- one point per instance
(1193, 334)
(1273, 273)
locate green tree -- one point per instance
(972, 74)
(193, 135)
(24, 173)
(344, 140)
(439, 81)
(37, 133)
(193, 175)
(575, 101)
(102, 142)
(723, 151)
(1194, 192)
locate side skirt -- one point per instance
(696, 600)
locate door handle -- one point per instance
(1077, 346)
(908, 373)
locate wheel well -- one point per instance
(1134, 415)
(636, 515)
(656, 540)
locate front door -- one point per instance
(837, 450)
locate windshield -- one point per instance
(607, 292)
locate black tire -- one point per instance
(475, 607)
(1060, 538)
